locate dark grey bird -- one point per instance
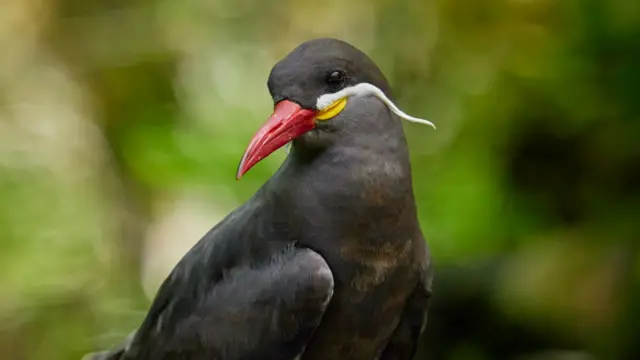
(327, 259)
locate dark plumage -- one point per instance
(327, 259)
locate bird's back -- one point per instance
(239, 244)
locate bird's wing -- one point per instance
(404, 341)
(263, 311)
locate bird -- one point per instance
(327, 259)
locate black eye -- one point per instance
(336, 78)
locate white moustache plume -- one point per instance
(364, 89)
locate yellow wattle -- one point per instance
(333, 110)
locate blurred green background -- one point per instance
(122, 123)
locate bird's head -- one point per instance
(314, 89)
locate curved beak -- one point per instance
(288, 121)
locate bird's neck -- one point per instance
(354, 187)
(361, 162)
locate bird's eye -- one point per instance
(336, 78)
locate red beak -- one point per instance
(288, 121)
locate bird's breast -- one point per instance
(373, 282)
(371, 264)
